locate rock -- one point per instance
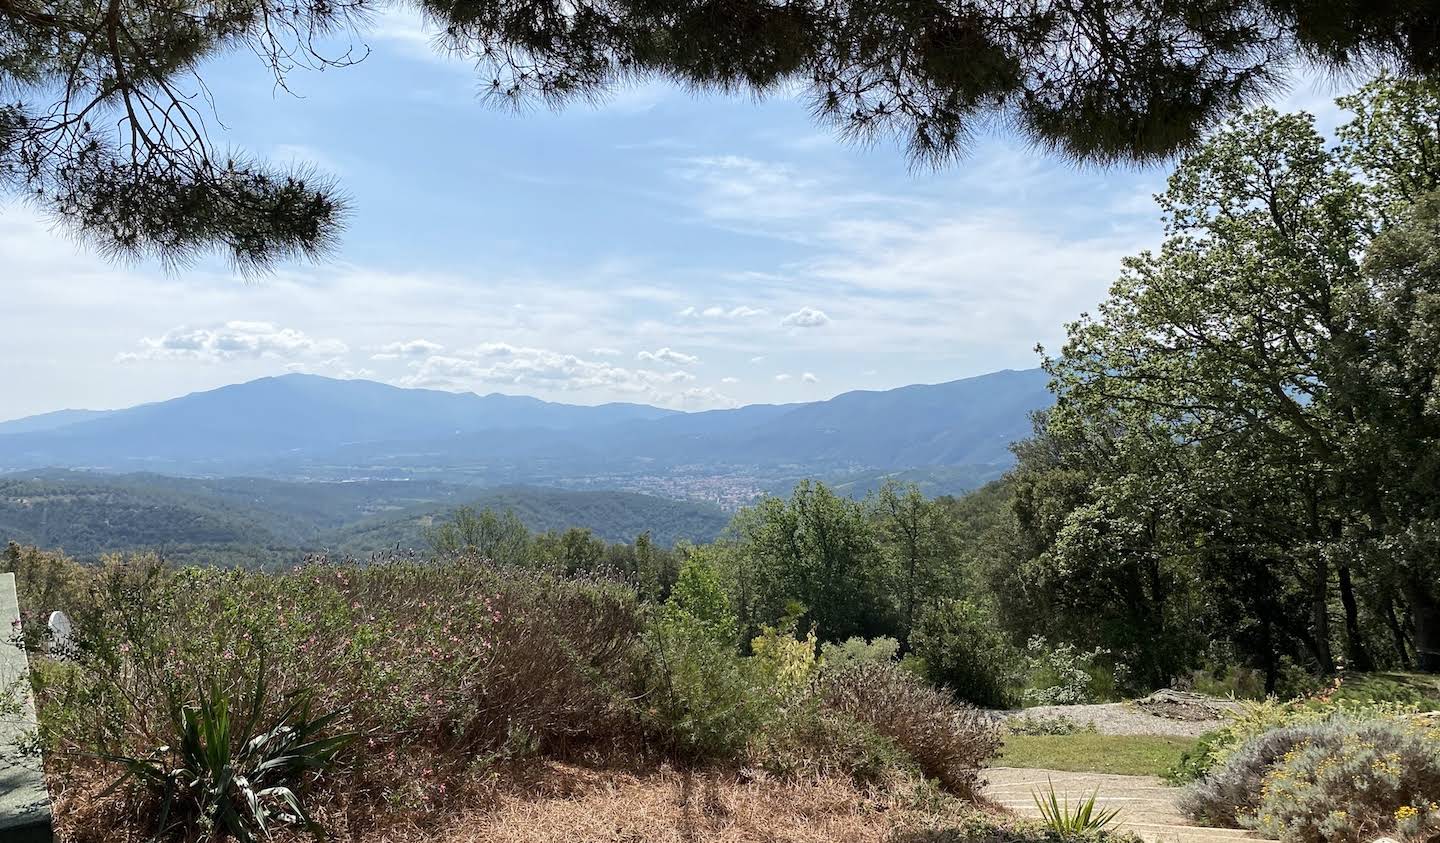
(61, 632)
(1185, 705)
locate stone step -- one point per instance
(1147, 805)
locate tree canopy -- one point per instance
(1251, 419)
(107, 128)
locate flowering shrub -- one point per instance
(1253, 719)
(1061, 675)
(1336, 780)
(1354, 782)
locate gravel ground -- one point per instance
(1120, 719)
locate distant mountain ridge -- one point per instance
(306, 426)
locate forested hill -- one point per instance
(248, 520)
(613, 516)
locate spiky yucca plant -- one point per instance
(235, 776)
(1066, 822)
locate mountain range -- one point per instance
(309, 427)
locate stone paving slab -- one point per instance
(1147, 804)
(24, 801)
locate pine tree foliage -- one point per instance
(105, 121)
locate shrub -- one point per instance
(228, 771)
(45, 582)
(1233, 789)
(963, 651)
(782, 661)
(837, 654)
(1253, 719)
(1064, 675)
(704, 700)
(947, 741)
(1340, 779)
(1194, 762)
(1354, 782)
(441, 666)
(1029, 724)
(807, 741)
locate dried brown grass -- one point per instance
(554, 802)
(680, 806)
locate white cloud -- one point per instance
(406, 350)
(605, 351)
(781, 378)
(740, 311)
(809, 377)
(704, 397)
(668, 355)
(757, 359)
(235, 340)
(528, 368)
(806, 317)
(729, 380)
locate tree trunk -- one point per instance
(1267, 646)
(1320, 616)
(1402, 644)
(1425, 610)
(1356, 656)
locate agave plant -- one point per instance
(1066, 822)
(236, 776)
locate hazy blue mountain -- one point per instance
(309, 426)
(50, 421)
(288, 415)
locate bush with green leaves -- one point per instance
(963, 651)
(857, 649)
(1336, 780)
(703, 698)
(948, 741)
(236, 768)
(1065, 675)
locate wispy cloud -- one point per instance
(407, 349)
(668, 355)
(233, 341)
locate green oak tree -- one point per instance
(1260, 395)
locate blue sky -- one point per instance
(689, 251)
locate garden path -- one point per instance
(1147, 805)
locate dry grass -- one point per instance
(566, 803)
(673, 806)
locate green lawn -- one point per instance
(1134, 755)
